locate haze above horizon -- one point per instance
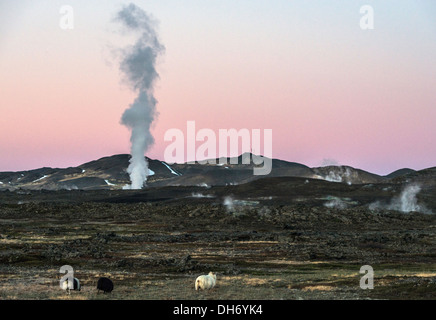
(330, 91)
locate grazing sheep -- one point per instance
(205, 281)
(76, 285)
(105, 284)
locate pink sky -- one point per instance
(326, 88)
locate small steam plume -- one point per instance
(341, 176)
(228, 203)
(405, 202)
(326, 162)
(138, 64)
(336, 203)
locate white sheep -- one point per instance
(205, 281)
(75, 286)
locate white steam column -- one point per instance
(138, 64)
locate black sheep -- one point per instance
(105, 284)
(76, 285)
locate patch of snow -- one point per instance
(109, 184)
(150, 172)
(169, 168)
(83, 170)
(69, 187)
(40, 178)
(264, 198)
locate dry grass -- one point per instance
(319, 288)
(144, 249)
(37, 284)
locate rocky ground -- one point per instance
(154, 243)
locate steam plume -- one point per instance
(138, 65)
(405, 202)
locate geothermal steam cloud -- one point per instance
(138, 64)
(405, 202)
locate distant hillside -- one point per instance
(110, 173)
(424, 177)
(347, 175)
(399, 173)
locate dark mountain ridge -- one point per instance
(110, 173)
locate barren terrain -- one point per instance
(277, 240)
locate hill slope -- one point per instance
(110, 173)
